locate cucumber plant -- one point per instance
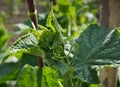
(94, 47)
(71, 63)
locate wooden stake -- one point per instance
(109, 17)
(54, 2)
(33, 13)
(108, 76)
(110, 13)
(33, 17)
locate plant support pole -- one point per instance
(54, 2)
(33, 13)
(110, 13)
(33, 17)
(108, 76)
(109, 17)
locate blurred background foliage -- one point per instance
(73, 15)
(70, 13)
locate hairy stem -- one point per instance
(69, 81)
(75, 54)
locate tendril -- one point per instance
(61, 57)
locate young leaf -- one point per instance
(52, 22)
(55, 41)
(49, 22)
(96, 44)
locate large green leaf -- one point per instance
(97, 45)
(23, 44)
(9, 71)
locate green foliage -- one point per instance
(40, 39)
(27, 76)
(88, 50)
(50, 78)
(8, 71)
(96, 47)
(3, 37)
(22, 45)
(30, 74)
(68, 62)
(71, 14)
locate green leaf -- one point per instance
(86, 74)
(28, 77)
(96, 44)
(23, 44)
(57, 64)
(9, 71)
(29, 59)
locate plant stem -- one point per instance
(75, 54)
(78, 84)
(69, 81)
(69, 77)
